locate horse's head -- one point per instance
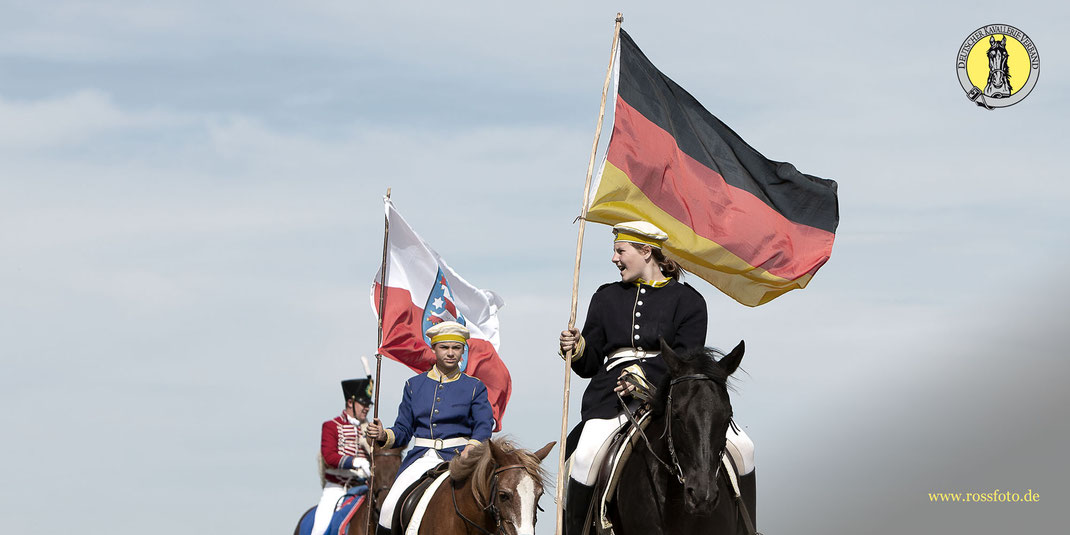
(997, 53)
(694, 401)
(507, 482)
(387, 462)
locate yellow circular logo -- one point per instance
(998, 65)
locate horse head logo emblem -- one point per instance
(1009, 55)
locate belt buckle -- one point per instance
(640, 354)
(438, 444)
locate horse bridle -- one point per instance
(674, 468)
(679, 472)
(491, 507)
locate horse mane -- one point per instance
(700, 360)
(479, 466)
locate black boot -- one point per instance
(577, 507)
(380, 530)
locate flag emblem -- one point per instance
(441, 307)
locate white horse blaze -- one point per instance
(526, 491)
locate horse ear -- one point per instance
(731, 361)
(669, 356)
(495, 451)
(544, 451)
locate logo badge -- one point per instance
(998, 65)
(441, 307)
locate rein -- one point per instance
(674, 468)
(491, 507)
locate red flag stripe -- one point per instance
(700, 198)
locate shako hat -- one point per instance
(639, 232)
(359, 390)
(447, 331)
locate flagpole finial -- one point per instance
(387, 193)
(620, 17)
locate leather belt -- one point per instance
(628, 354)
(438, 443)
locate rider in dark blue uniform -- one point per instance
(443, 412)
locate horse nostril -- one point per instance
(691, 493)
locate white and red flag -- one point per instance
(423, 290)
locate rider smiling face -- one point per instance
(635, 261)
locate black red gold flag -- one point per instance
(753, 227)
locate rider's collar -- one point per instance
(436, 375)
(656, 284)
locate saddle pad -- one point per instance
(609, 474)
(340, 521)
(410, 498)
(418, 514)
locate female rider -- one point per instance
(624, 323)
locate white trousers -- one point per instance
(429, 460)
(592, 446)
(596, 436)
(332, 492)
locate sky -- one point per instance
(191, 218)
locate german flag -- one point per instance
(752, 227)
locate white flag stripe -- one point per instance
(413, 265)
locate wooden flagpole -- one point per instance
(576, 281)
(378, 358)
(382, 305)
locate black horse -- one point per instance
(679, 485)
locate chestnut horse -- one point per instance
(494, 490)
(387, 462)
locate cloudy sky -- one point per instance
(191, 216)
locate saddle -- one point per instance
(620, 450)
(411, 503)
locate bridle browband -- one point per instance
(491, 507)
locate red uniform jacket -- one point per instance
(340, 445)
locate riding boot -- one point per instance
(577, 506)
